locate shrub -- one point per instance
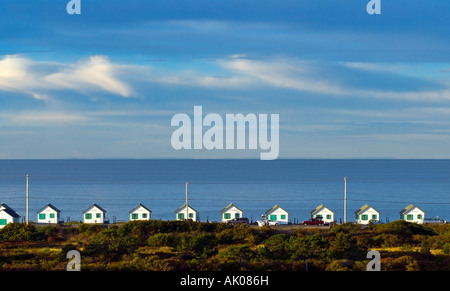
(307, 247)
(111, 243)
(446, 248)
(236, 257)
(238, 234)
(203, 245)
(20, 232)
(277, 246)
(344, 246)
(161, 240)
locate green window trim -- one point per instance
(41, 215)
(134, 216)
(88, 216)
(283, 216)
(3, 221)
(273, 217)
(52, 215)
(364, 217)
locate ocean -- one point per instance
(297, 185)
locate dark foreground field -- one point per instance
(186, 246)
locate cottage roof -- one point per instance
(364, 208)
(94, 205)
(10, 212)
(51, 206)
(4, 206)
(273, 208)
(183, 206)
(230, 206)
(140, 205)
(319, 208)
(409, 208)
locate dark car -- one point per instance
(312, 221)
(241, 220)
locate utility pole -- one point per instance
(27, 203)
(187, 207)
(345, 200)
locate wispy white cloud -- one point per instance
(38, 118)
(38, 78)
(284, 73)
(313, 77)
(95, 73)
(240, 72)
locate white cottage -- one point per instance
(94, 214)
(365, 214)
(192, 214)
(323, 213)
(230, 212)
(140, 212)
(48, 214)
(277, 214)
(7, 215)
(412, 213)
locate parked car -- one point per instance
(265, 221)
(312, 221)
(241, 220)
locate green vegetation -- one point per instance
(177, 245)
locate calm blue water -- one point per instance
(253, 185)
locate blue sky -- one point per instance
(106, 83)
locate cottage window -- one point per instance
(52, 215)
(236, 215)
(409, 217)
(88, 216)
(191, 215)
(283, 216)
(41, 215)
(98, 215)
(180, 215)
(419, 216)
(3, 221)
(144, 215)
(134, 216)
(227, 215)
(374, 216)
(364, 217)
(328, 216)
(273, 217)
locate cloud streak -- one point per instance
(37, 78)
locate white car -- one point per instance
(266, 222)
